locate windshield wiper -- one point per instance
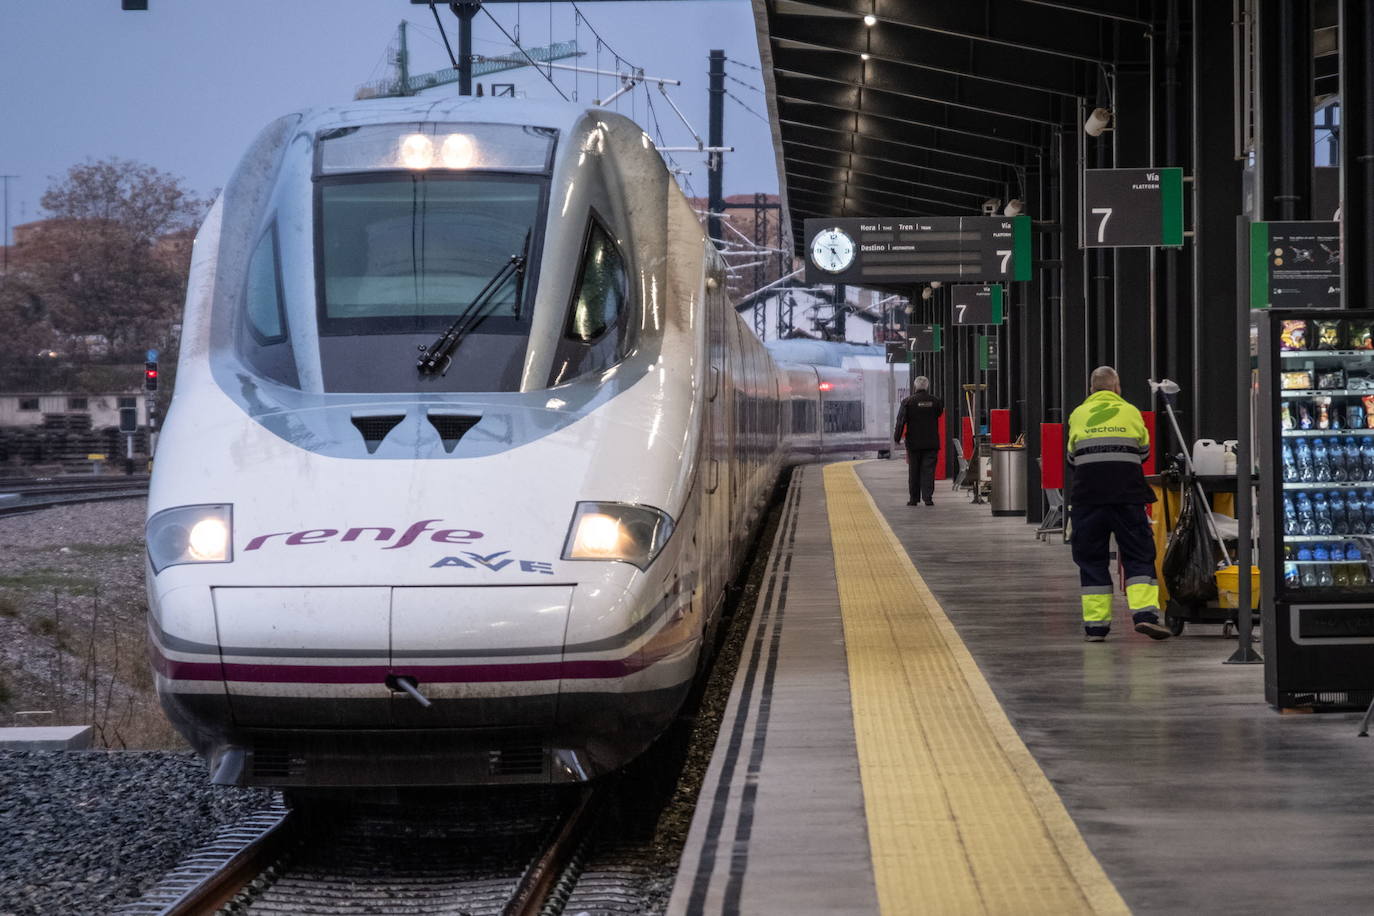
(436, 358)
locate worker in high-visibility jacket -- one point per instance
(1108, 442)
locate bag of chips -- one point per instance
(1368, 410)
(1285, 416)
(1360, 336)
(1328, 334)
(1304, 416)
(1293, 335)
(1298, 381)
(1331, 378)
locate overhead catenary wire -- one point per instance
(521, 49)
(741, 104)
(736, 79)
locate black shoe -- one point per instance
(930, 502)
(1153, 629)
(912, 502)
(1096, 633)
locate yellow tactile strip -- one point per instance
(960, 817)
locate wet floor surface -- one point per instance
(1193, 793)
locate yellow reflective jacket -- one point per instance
(1108, 442)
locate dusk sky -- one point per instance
(186, 85)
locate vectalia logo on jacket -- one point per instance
(1101, 414)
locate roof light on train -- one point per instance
(457, 151)
(417, 151)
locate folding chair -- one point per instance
(1053, 522)
(962, 472)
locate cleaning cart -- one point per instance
(1199, 572)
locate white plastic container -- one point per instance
(1228, 457)
(1209, 457)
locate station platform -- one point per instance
(918, 727)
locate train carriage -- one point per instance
(466, 443)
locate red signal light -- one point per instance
(825, 386)
(150, 376)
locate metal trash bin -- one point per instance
(1008, 480)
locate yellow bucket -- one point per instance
(1228, 586)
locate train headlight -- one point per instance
(191, 534)
(617, 531)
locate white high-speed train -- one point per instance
(467, 441)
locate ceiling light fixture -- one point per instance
(863, 56)
(870, 20)
(1097, 122)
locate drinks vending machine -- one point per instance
(1315, 452)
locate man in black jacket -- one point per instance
(919, 419)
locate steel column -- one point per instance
(1283, 155)
(715, 138)
(1357, 152)
(1216, 202)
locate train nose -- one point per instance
(367, 657)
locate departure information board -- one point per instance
(1124, 208)
(975, 304)
(900, 251)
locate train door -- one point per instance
(716, 529)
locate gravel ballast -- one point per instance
(84, 831)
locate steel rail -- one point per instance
(219, 887)
(542, 877)
(21, 506)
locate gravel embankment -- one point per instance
(82, 832)
(73, 645)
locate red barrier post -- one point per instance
(999, 426)
(1052, 456)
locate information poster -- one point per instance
(1295, 264)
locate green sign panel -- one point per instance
(924, 338)
(904, 250)
(974, 304)
(1295, 264)
(987, 352)
(1124, 208)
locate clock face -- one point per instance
(832, 250)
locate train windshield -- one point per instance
(401, 255)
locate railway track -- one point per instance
(31, 495)
(505, 854)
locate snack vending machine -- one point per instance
(1316, 472)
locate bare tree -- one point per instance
(112, 259)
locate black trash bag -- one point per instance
(1190, 562)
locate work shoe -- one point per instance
(1095, 634)
(1153, 629)
(912, 502)
(930, 502)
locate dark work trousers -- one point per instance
(920, 473)
(1134, 538)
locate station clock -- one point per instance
(832, 250)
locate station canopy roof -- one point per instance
(939, 105)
